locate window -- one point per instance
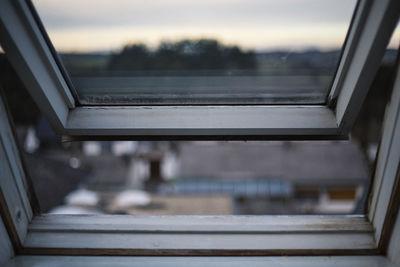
(33, 58)
(224, 52)
(27, 45)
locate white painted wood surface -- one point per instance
(388, 161)
(202, 120)
(30, 56)
(393, 252)
(349, 261)
(201, 241)
(349, 48)
(200, 223)
(201, 232)
(12, 178)
(6, 248)
(368, 47)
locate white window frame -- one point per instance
(32, 57)
(203, 235)
(196, 235)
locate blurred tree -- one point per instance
(132, 57)
(201, 54)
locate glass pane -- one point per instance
(198, 52)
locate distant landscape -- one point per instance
(202, 71)
(207, 55)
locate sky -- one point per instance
(104, 25)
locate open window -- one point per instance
(226, 104)
(82, 106)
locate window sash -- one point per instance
(373, 23)
(15, 203)
(203, 122)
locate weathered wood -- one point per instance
(13, 185)
(388, 161)
(360, 261)
(197, 234)
(372, 34)
(391, 215)
(202, 121)
(394, 245)
(199, 223)
(6, 248)
(33, 61)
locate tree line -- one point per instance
(201, 54)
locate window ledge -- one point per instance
(355, 261)
(200, 235)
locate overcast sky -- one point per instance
(91, 25)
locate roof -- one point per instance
(300, 161)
